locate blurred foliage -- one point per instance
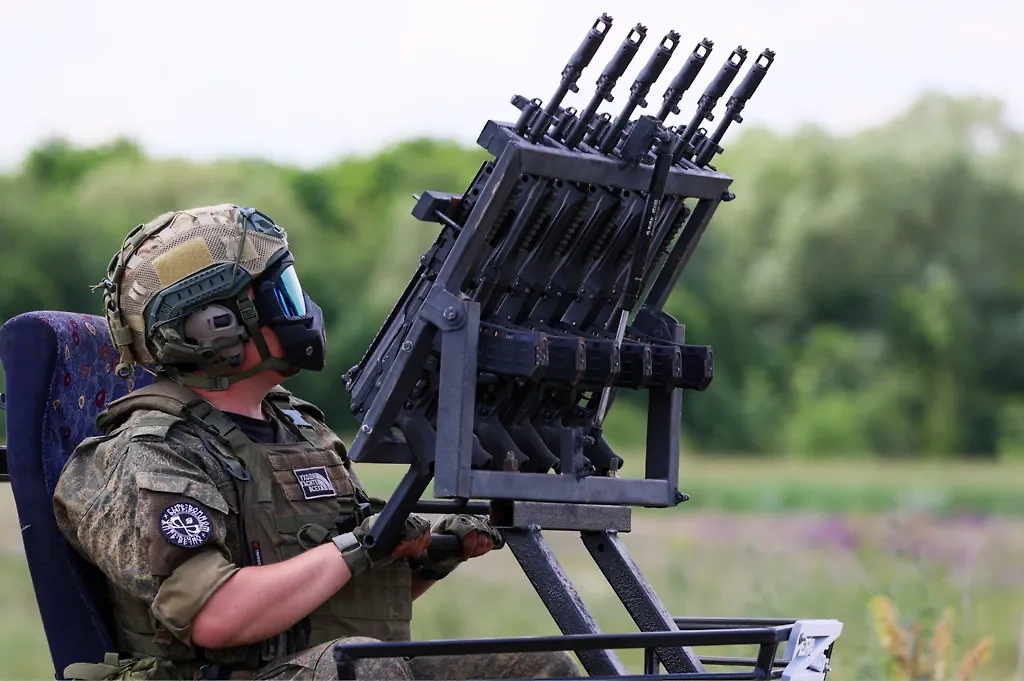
(864, 294)
(913, 658)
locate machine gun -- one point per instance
(539, 301)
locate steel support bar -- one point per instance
(568, 489)
(524, 515)
(766, 658)
(384, 536)
(345, 651)
(560, 598)
(461, 506)
(686, 623)
(738, 661)
(680, 254)
(455, 400)
(640, 600)
(664, 419)
(577, 166)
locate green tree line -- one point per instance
(864, 293)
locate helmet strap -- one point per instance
(247, 311)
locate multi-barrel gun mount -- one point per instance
(542, 297)
(540, 300)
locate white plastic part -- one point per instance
(806, 650)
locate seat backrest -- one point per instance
(58, 370)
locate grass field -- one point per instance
(788, 539)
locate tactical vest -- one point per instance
(284, 504)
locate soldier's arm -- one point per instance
(420, 586)
(152, 520)
(157, 526)
(248, 606)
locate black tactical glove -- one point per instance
(358, 557)
(434, 564)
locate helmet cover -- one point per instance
(179, 263)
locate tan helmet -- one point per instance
(176, 293)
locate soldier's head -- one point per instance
(210, 296)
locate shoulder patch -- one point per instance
(185, 524)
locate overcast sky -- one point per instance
(304, 82)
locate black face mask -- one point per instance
(283, 306)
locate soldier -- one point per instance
(211, 500)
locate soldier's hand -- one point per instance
(409, 548)
(476, 544)
(476, 532)
(476, 536)
(413, 541)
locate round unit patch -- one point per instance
(186, 525)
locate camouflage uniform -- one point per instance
(112, 503)
(174, 497)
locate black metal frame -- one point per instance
(522, 524)
(518, 318)
(450, 325)
(807, 652)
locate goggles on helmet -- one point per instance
(277, 292)
(289, 294)
(282, 305)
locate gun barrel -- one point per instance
(714, 91)
(745, 90)
(740, 96)
(606, 82)
(641, 86)
(579, 60)
(684, 79)
(659, 177)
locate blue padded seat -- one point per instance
(59, 375)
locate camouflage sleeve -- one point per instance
(153, 521)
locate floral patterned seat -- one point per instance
(58, 374)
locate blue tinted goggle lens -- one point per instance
(289, 293)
